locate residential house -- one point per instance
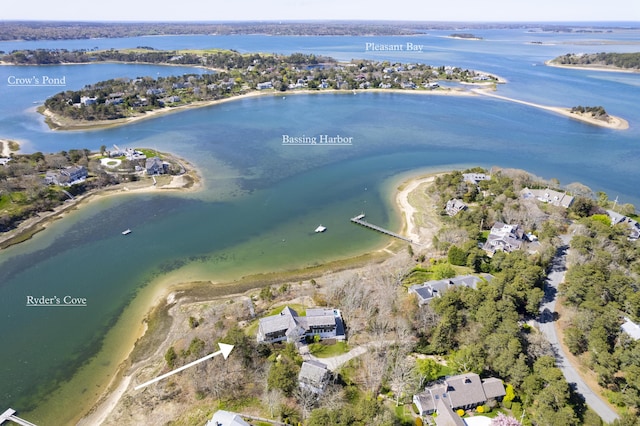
(548, 196)
(265, 85)
(503, 237)
(454, 206)
(430, 289)
(634, 226)
(134, 154)
(155, 166)
(631, 328)
(226, 418)
(66, 177)
(86, 100)
(314, 376)
(475, 178)
(291, 327)
(466, 391)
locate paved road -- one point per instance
(546, 324)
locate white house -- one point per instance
(226, 418)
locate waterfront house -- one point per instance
(436, 288)
(289, 326)
(475, 178)
(155, 166)
(454, 206)
(265, 85)
(632, 225)
(465, 391)
(314, 376)
(66, 177)
(548, 196)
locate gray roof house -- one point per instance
(66, 177)
(226, 418)
(631, 328)
(475, 178)
(155, 166)
(504, 237)
(454, 206)
(548, 196)
(313, 376)
(291, 327)
(430, 289)
(634, 226)
(464, 391)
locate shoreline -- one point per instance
(614, 123)
(55, 123)
(591, 67)
(33, 225)
(166, 294)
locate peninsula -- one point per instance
(620, 62)
(232, 74)
(28, 201)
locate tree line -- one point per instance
(619, 60)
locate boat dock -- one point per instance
(359, 220)
(8, 416)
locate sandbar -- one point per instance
(591, 67)
(613, 122)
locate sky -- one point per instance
(287, 10)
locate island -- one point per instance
(627, 62)
(465, 36)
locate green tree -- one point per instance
(170, 357)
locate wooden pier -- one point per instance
(8, 415)
(359, 220)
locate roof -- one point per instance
(226, 418)
(548, 196)
(446, 416)
(465, 389)
(631, 328)
(291, 323)
(313, 373)
(430, 289)
(493, 388)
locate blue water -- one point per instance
(263, 200)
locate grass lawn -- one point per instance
(327, 351)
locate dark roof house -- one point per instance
(313, 376)
(291, 327)
(430, 289)
(464, 391)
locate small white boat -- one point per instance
(321, 228)
(126, 232)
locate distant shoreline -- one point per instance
(55, 122)
(591, 67)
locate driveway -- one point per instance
(547, 325)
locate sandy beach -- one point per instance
(613, 122)
(591, 67)
(109, 404)
(56, 122)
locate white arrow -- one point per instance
(224, 350)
